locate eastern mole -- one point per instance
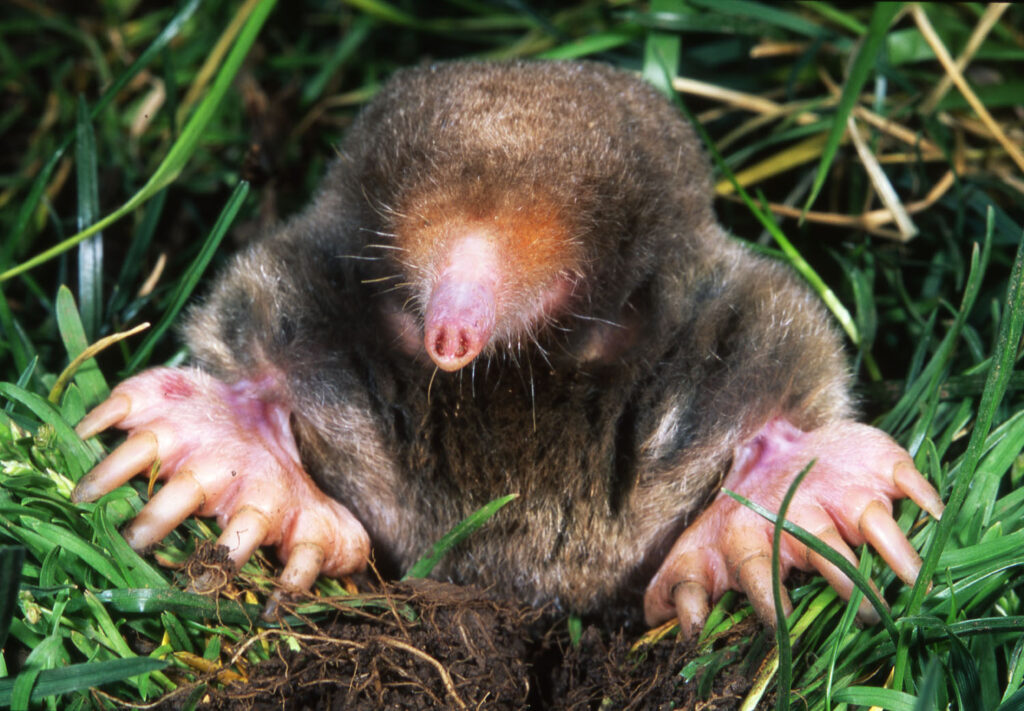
(511, 280)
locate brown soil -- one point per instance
(431, 645)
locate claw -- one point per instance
(835, 577)
(749, 561)
(755, 579)
(244, 533)
(177, 500)
(918, 489)
(692, 607)
(107, 414)
(303, 567)
(878, 527)
(133, 456)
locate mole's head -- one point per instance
(511, 195)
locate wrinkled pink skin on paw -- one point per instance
(855, 471)
(235, 444)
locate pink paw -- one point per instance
(224, 451)
(845, 500)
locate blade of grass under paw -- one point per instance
(423, 567)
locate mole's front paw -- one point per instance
(845, 499)
(225, 451)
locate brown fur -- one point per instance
(614, 417)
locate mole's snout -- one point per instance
(459, 322)
(461, 310)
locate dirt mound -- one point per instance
(441, 646)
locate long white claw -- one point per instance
(134, 455)
(244, 533)
(692, 608)
(883, 533)
(177, 500)
(835, 577)
(107, 414)
(303, 567)
(921, 492)
(755, 579)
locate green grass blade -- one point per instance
(1014, 703)
(89, 554)
(685, 20)
(831, 12)
(88, 376)
(189, 606)
(762, 12)
(75, 677)
(383, 11)
(782, 642)
(929, 378)
(966, 681)
(190, 280)
(870, 696)
(136, 569)
(90, 252)
(881, 17)
(423, 567)
(21, 689)
(1015, 674)
(353, 40)
(142, 237)
(108, 634)
(662, 49)
(929, 687)
(592, 44)
(180, 151)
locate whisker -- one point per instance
(598, 320)
(430, 385)
(396, 287)
(379, 233)
(375, 245)
(540, 349)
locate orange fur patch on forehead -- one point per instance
(533, 240)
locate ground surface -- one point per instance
(463, 649)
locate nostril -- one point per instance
(451, 342)
(458, 323)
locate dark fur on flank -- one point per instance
(614, 419)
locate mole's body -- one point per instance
(542, 234)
